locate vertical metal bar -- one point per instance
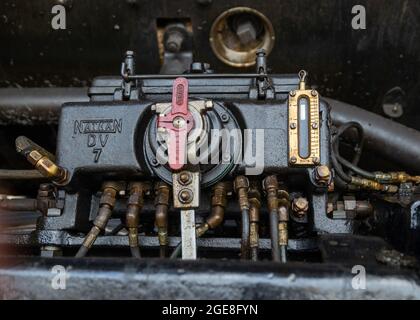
(189, 245)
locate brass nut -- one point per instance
(300, 206)
(185, 178)
(241, 182)
(185, 196)
(322, 174)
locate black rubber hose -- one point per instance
(358, 150)
(386, 138)
(245, 234)
(274, 232)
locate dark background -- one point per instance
(355, 66)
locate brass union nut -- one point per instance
(300, 206)
(322, 174)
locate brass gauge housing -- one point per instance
(304, 122)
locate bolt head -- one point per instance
(293, 160)
(292, 93)
(300, 206)
(293, 126)
(322, 174)
(185, 178)
(179, 122)
(185, 196)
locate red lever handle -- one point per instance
(178, 124)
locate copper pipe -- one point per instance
(134, 206)
(106, 205)
(284, 205)
(218, 204)
(161, 216)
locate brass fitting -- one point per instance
(162, 196)
(396, 177)
(283, 234)
(284, 205)
(254, 218)
(373, 185)
(218, 204)
(42, 160)
(300, 207)
(241, 186)
(322, 175)
(135, 203)
(271, 186)
(106, 205)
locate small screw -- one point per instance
(314, 93)
(293, 160)
(314, 125)
(293, 125)
(292, 93)
(154, 162)
(225, 117)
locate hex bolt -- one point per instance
(322, 175)
(185, 178)
(225, 117)
(300, 207)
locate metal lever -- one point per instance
(178, 123)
